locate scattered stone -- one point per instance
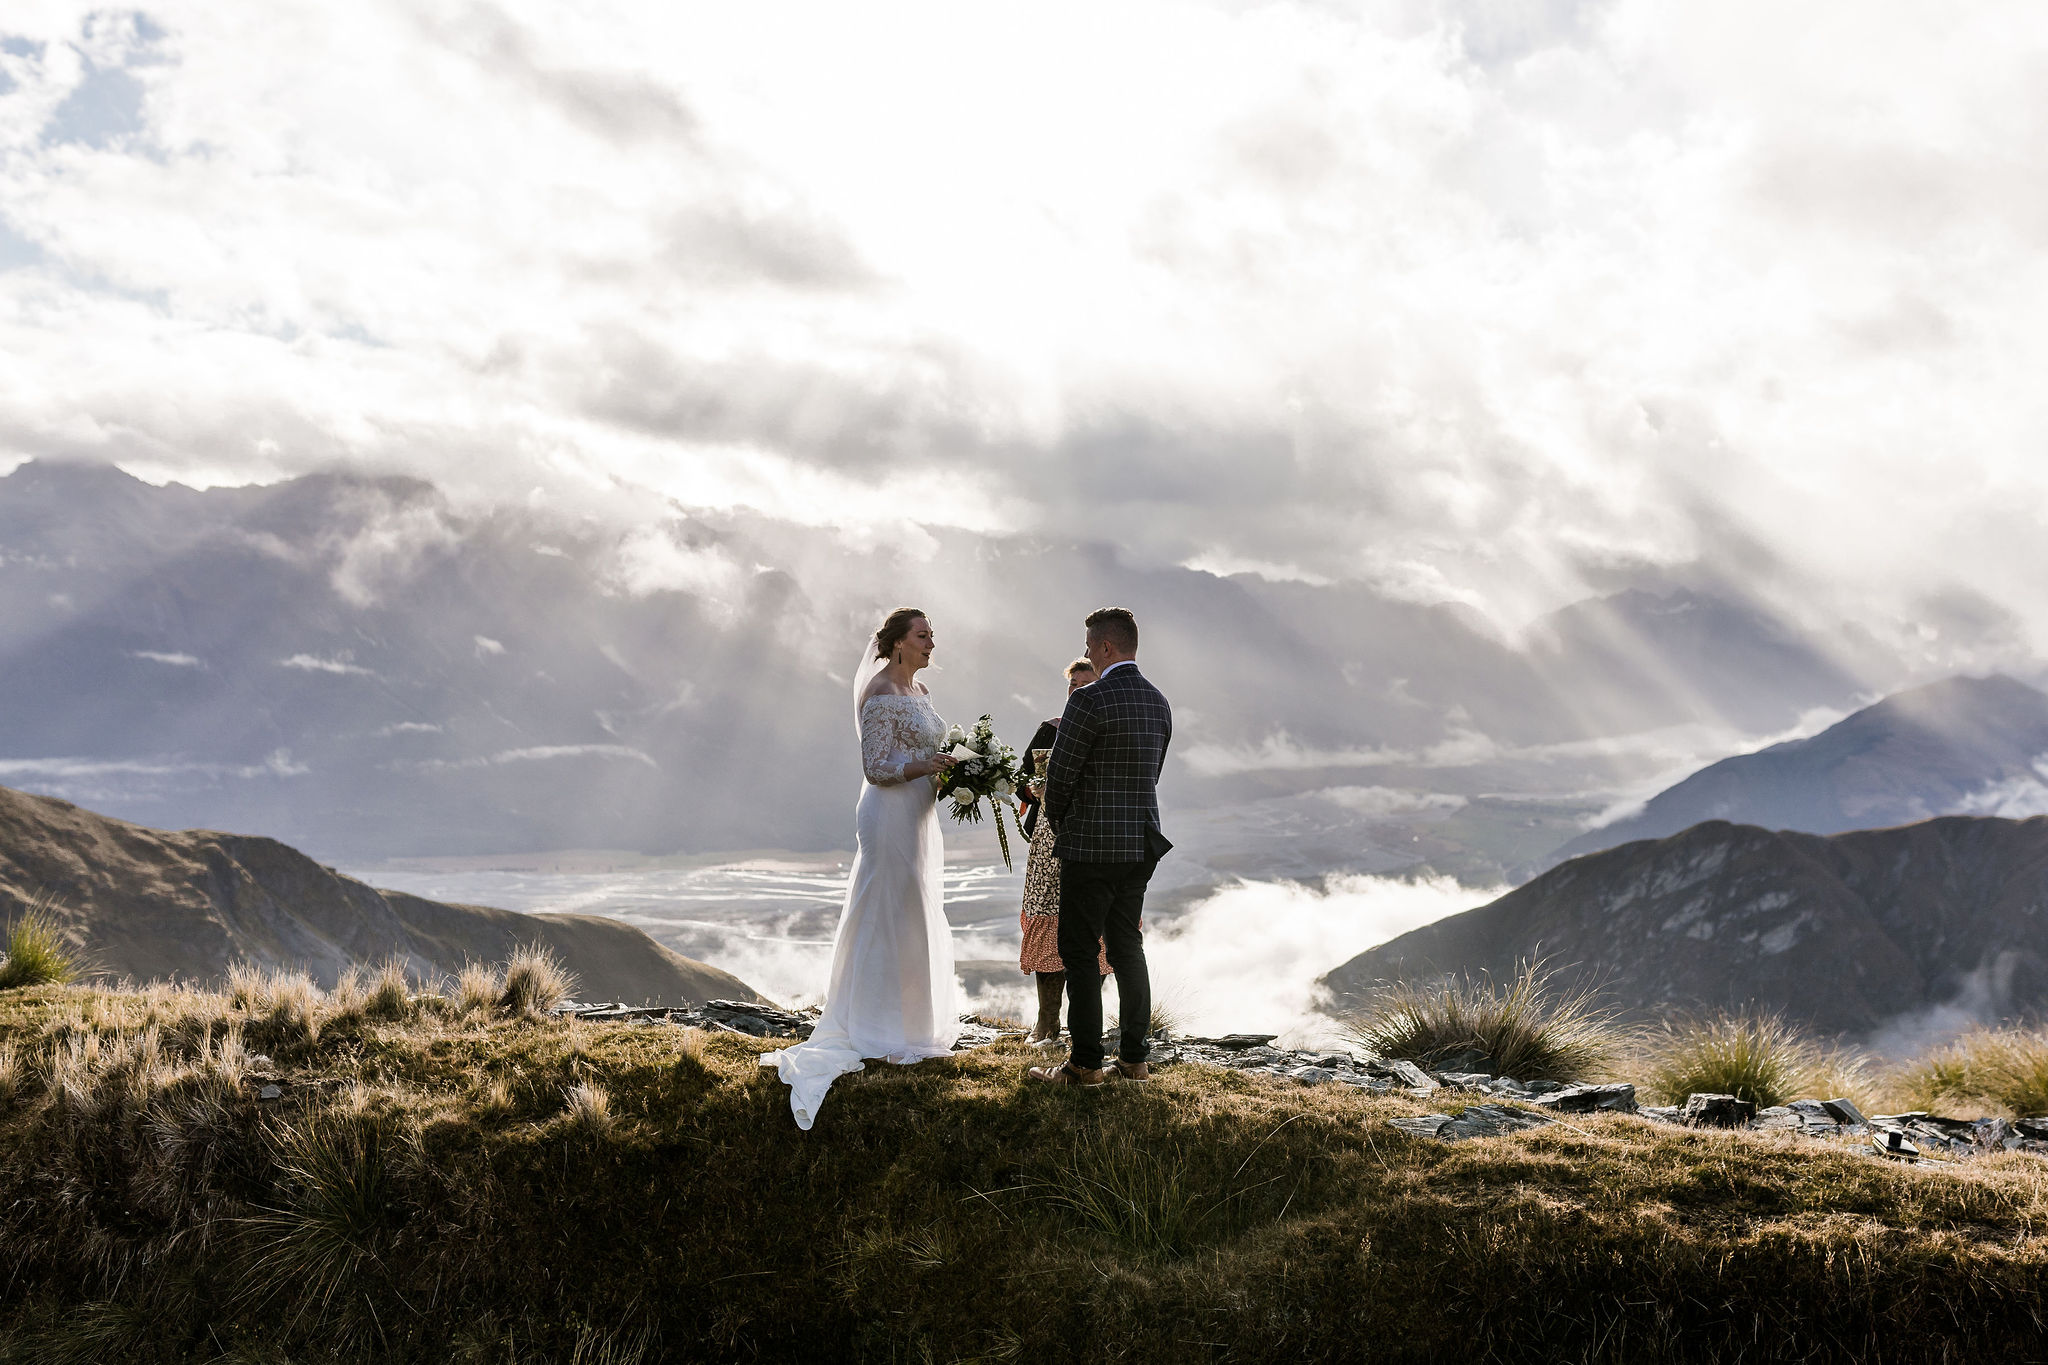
(1492, 1120)
(2035, 1129)
(1888, 1142)
(1412, 1076)
(1235, 1042)
(1717, 1111)
(1843, 1112)
(1474, 1121)
(1617, 1098)
(1466, 1080)
(270, 1092)
(1429, 1125)
(1542, 1087)
(1469, 1061)
(718, 1016)
(1663, 1113)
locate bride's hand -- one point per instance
(937, 764)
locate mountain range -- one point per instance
(151, 904)
(1854, 933)
(360, 667)
(1958, 746)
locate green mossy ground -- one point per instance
(424, 1190)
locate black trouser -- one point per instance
(1099, 905)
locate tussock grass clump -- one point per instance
(588, 1108)
(391, 994)
(2002, 1068)
(1754, 1056)
(325, 1240)
(1136, 1194)
(10, 1077)
(478, 989)
(36, 955)
(535, 981)
(1528, 1029)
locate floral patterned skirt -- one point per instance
(1041, 914)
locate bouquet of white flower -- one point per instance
(987, 767)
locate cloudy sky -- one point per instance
(1494, 302)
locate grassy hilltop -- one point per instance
(449, 1179)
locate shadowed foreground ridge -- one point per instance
(451, 1185)
(1841, 932)
(147, 904)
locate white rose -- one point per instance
(954, 735)
(1006, 789)
(962, 797)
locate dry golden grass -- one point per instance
(477, 989)
(35, 954)
(535, 981)
(1528, 1028)
(436, 1188)
(2002, 1071)
(1758, 1057)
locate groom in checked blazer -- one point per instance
(1102, 797)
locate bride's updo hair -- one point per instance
(894, 627)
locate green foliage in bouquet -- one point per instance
(987, 770)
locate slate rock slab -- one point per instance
(1474, 1121)
(1718, 1111)
(1616, 1098)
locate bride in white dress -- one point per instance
(892, 993)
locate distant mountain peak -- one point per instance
(1928, 751)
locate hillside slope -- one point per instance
(1943, 749)
(444, 1188)
(148, 903)
(1844, 932)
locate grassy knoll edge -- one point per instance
(442, 1182)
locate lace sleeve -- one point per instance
(884, 744)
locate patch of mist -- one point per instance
(2016, 798)
(1984, 999)
(1247, 959)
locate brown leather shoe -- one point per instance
(1129, 1071)
(1066, 1073)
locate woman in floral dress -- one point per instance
(1041, 914)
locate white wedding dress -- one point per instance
(892, 992)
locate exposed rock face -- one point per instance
(148, 903)
(1842, 932)
(1952, 747)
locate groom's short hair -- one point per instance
(1115, 627)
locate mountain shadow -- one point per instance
(1846, 933)
(148, 904)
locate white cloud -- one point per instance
(1391, 800)
(544, 752)
(174, 660)
(1247, 958)
(313, 663)
(410, 727)
(486, 647)
(2017, 798)
(1478, 303)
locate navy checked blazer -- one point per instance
(1102, 782)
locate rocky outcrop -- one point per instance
(1843, 933)
(1958, 747)
(146, 903)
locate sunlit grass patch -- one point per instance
(36, 955)
(534, 981)
(1529, 1028)
(1754, 1056)
(2004, 1069)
